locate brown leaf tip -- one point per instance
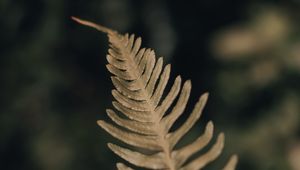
(93, 25)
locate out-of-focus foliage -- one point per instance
(54, 85)
(260, 58)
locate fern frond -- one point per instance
(140, 81)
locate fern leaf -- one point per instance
(231, 164)
(121, 166)
(140, 81)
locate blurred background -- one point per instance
(54, 85)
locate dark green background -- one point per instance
(54, 85)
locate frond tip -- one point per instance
(93, 25)
(150, 110)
